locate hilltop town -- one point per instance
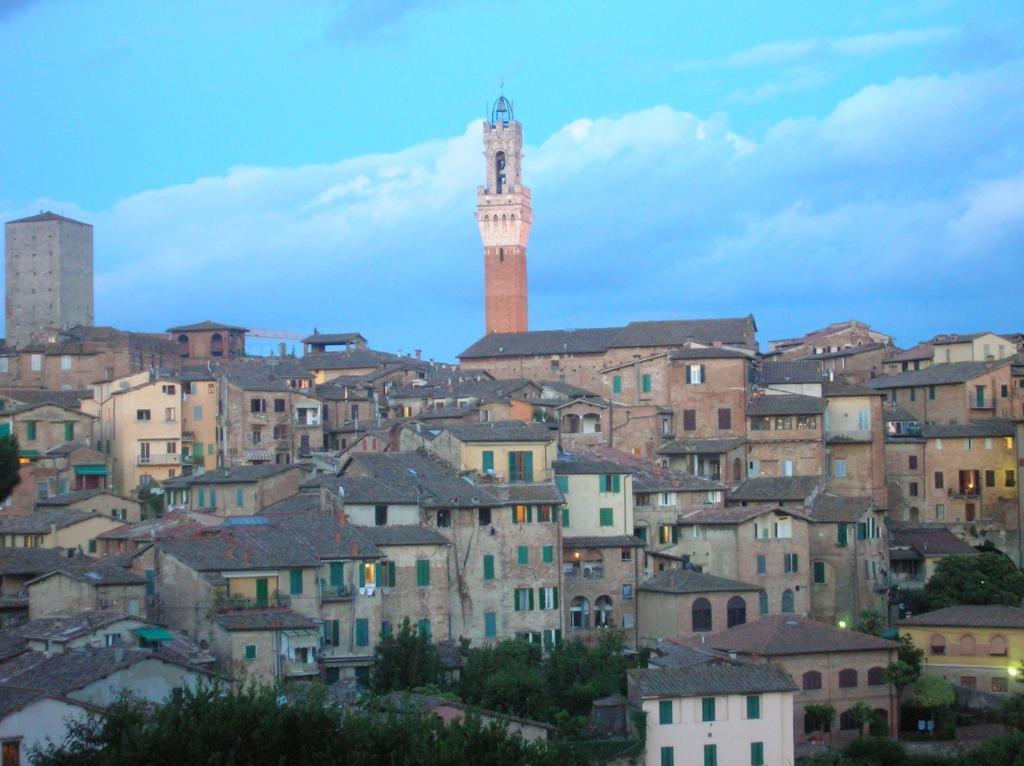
(754, 522)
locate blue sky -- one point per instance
(290, 165)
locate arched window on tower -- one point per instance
(499, 170)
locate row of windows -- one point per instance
(848, 678)
(967, 645)
(847, 721)
(32, 430)
(668, 755)
(708, 710)
(690, 420)
(784, 423)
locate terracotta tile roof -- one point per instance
(775, 373)
(264, 619)
(710, 679)
(352, 359)
(787, 634)
(775, 488)
(68, 628)
(519, 494)
(406, 534)
(502, 431)
(738, 514)
(36, 561)
(785, 404)
(206, 324)
(691, 581)
(334, 338)
(826, 507)
(994, 427)
(243, 474)
(701, 446)
(936, 375)
(39, 522)
(413, 479)
(598, 541)
(648, 476)
(991, 616)
(598, 340)
(929, 541)
(709, 353)
(917, 353)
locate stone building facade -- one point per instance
(48, 275)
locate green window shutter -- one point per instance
(641, 532)
(529, 593)
(511, 466)
(377, 575)
(239, 497)
(30, 430)
(862, 530)
(295, 584)
(337, 573)
(422, 573)
(528, 466)
(710, 752)
(391, 574)
(548, 554)
(515, 519)
(423, 628)
(92, 546)
(213, 497)
(616, 384)
(202, 499)
(362, 575)
(668, 756)
(488, 461)
(555, 597)
(150, 582)
(488, 566)
(529, 514)
(842, 539)
(563, 484)
(250, 651)
(757, 754)
(753, 707)
(490, 624)
(69, 431)
(565, 517)
(665, 712)
(335, 632)
(616, 483)
(675, 533)
(707, 709)
(362, 631)
(523, 554)
(517, 599)
(606, 517)
(645, 382)
(5, 428)
(601, 486)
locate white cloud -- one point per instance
(653, 213)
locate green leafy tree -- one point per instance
(9, 466)
(819, 717)
(405, 660)
(988, 578)
(932, 692)
(906, 668)
(870, 621)
(1012, 711)
(862, 715)
(253, 727)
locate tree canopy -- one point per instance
(988, 578)
(9, 466)
(253, 726)
(405, 660)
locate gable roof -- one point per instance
(795, 371)
(924, 350)
(785, 404)
(738, 331)
(36, 561)
(768, 488)
(264, 619)
(648, 476)
(69, 498)
(502, 431)
(936, 374)
(410, 478)
(334, 338)
(990, 616)
(351, 359)
(692, 581)
(48, 216)
(711, 678)
(243, 474)
(701, 446)
(40, 522)
(929, 541)
(69, 628)
(786, 634)
(827, 507)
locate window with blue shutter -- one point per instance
(528, 467)
(423, 628)
(295, 582)
(645, 384)
(707, 709)
(488, 566)
(616, 384)
(239, 497)
(488, 459)
(422, 573)
(337, 574)
(757, 754)
(563, 484)
(710, 755)
(490, 624)
(668, 757)
(606, 517)
(548, 554)
(753, 707)
(665, 712)
(842, 539)
(523, 555)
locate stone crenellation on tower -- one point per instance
(49, 275)
(504, 215)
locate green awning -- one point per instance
(153, 634)
(91, 470)
(29, 453)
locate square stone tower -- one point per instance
(504, 214)
(49, 275)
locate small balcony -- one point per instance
(587, 572)
(337, 593)
(297, 668)
(160, 459)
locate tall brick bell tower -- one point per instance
(504, 214)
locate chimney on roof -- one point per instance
(419, 354)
